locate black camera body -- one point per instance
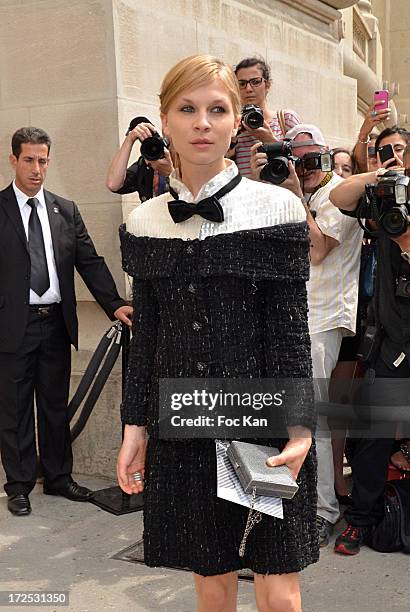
(276, 169)
(252, 116)
(153, 147)
(387, 202)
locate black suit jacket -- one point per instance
(73, 248)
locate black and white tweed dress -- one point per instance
(223, 301)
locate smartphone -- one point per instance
(382, 95)
(385, 153)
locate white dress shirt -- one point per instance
(250, 205)
(52, 295)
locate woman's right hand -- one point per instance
(131, 459)
(371, 119)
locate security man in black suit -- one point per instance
(42, 240)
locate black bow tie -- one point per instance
(209, 208)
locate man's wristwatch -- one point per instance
(406, 256)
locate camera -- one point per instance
(252, 116)
(279, 153)
(153, 147)
(388, 203)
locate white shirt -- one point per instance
(334, 283)
(250, 205)
(52, 294)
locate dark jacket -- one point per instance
(73, 249)
(230, 306)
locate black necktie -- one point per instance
(39, 278)
(209, 208)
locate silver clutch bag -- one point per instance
(249, 462)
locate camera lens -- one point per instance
(252, 116)
(254, 120)
(152, 148)
(275, 171)
(394, 222)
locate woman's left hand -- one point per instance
(293, 455)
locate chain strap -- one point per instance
(254, 517)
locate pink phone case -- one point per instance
(383, 95)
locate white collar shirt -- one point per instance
(250, 205)
(52, 295)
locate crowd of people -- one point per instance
(272, 261)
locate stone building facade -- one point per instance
(82, 69)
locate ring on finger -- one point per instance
(137, 476)
(373, 114)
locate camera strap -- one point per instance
(324, 181)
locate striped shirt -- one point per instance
(246, 140)
(333, 285)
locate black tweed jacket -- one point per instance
(232, 305)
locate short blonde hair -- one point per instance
(195, 71)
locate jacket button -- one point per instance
(196, 326)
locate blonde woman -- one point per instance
(219, 292)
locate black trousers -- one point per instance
(371, 454)
(41, 368)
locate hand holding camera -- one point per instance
(254, 122)
(141, 131)
(269, 162)
(153, 146)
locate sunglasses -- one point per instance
(256, 82)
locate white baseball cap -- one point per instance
(307, 128)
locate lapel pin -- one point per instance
(55, 209)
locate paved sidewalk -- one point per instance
(67, 546)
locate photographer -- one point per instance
(389, 347)
(334, 272)
(148, 177)
(254, 80)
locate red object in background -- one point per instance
(396, 474)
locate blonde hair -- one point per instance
(195, 71)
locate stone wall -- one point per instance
(394, 25)
(82, 69)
